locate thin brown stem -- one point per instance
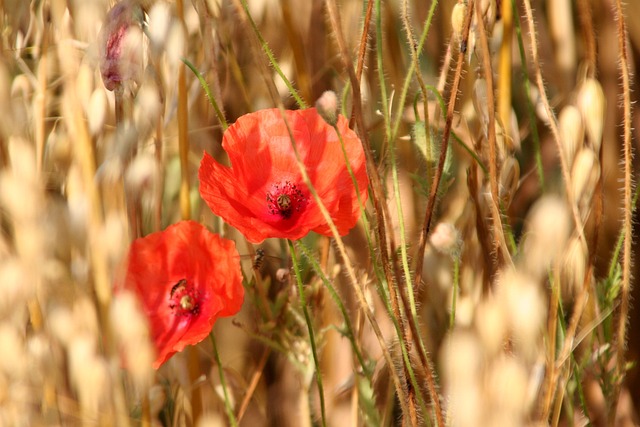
(504, 69)
(446, 133)
(623, 315)
(501, 253)
(385, 241)
(253, 384)
(413, 48)
(554, 372)
(588, 34)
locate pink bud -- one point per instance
(120, 45)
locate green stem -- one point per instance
(272, 58)
(338, 301)
(456, 286)
(312, 340)
(205, 86)
(223, 383)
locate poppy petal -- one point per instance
(186, 278)
(263, 194)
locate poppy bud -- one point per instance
(327, 106)
(446, 239)
(120, 43)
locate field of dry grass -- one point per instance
(484, 153)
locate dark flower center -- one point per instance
(284, 199)
(183, 299)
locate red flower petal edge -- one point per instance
(186, 278)
(263, 194)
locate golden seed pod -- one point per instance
(489, 13)
(509, 179)
(584, 177)
(462, 360)
(491, 325)
(131, 331)
(13, 360)
(526, 308)
(573, 268)
(547, 231)
(507, 385)
(571, 132)
(160, 21)
(97, 110)
(592, 104)
(480, 103)
(502, 144)
(458, 14)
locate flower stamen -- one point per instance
(183, 299)
(284, 199)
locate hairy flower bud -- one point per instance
(120, 45)
(327, 106)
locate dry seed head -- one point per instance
(491, 325)
(97, 111)
(142, 175)
(573, 268)
(547, 230)
(16, 286)
(507, 388)
(59, 148)
(489, 12)
(571, 132)
(13, 360)
(21, 87)
(327, 106)
(160, 20)
(175, 46)
(503, 145)
(23, 160)
(462, 365)
(210, 420)
(514, 139)
(114, 238)
(584, 178)
(20, 195)
(458, 14)
(462, 359)
(591, 102)
(132, 334)
(480, 102)
(526, 311)
(147, 108)
(88, 373)
(509, 179)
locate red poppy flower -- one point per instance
(186, 277)
(263, 194)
